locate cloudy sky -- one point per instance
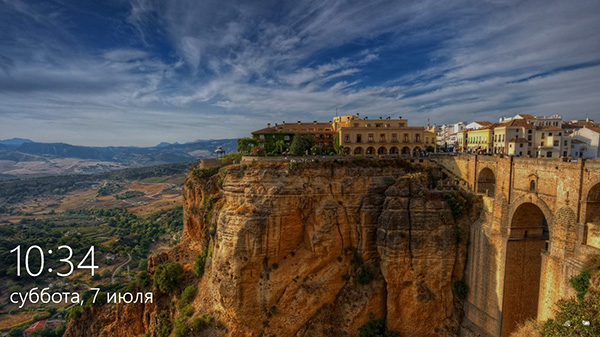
(140, 72)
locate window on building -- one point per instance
(560, 133)
(417, 138)
(355, 125)
(543, 135)
(549, 133)
(394, 137)
(556, 143)
(549, 154)
(564, 153)
(521, 145)
(406, 138)
(261, 137)
(532, 185)
(382, 138)
(370, 139)
(347, 138)
(528, 131)
(378, 125)
(286, 137)
(528, 137)
(566, 142)
(529, 153)
(359, 138)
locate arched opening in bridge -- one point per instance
(486, 182)
(406, 150)
(358, 150)
(382, 150)
(592, 205)
(527, 240)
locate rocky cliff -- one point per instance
(312, 249)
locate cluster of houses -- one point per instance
(523, 135)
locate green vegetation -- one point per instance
(129, 195)
(231, 158)
(205, 173)
(167, 276)
(457, 203)
(575, 312)
(187, 295)
(110, 231)
(245, 145)
(109, 188)
(198, 268)
(19, 190)
(376, 327)
(200, 323)
(163, 326)
(581, 283)
(300, 144)
(574, 316)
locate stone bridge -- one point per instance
(541, 219)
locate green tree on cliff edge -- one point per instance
(168, 276)
(300, 144)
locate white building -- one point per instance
(554, 120)
(589, 136)
(446, 134)
(477, 125)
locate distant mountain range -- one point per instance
(25, 158)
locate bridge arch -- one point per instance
(529, 233)
(592, 204)
(486, 182)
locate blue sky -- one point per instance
(140, 72)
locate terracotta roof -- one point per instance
(528, 116)
(593, 128)
(549, 128)
(483, 123)
(578, 125)
(298, 128)
(517, 122)
(35, 326)
(490, 126)
(518, 140)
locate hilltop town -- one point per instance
(522, 135)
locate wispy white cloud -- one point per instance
(214, 69)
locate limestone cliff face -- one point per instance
(312, 250)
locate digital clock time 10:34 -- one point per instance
(67, 261)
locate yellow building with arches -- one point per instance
(380, 137)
